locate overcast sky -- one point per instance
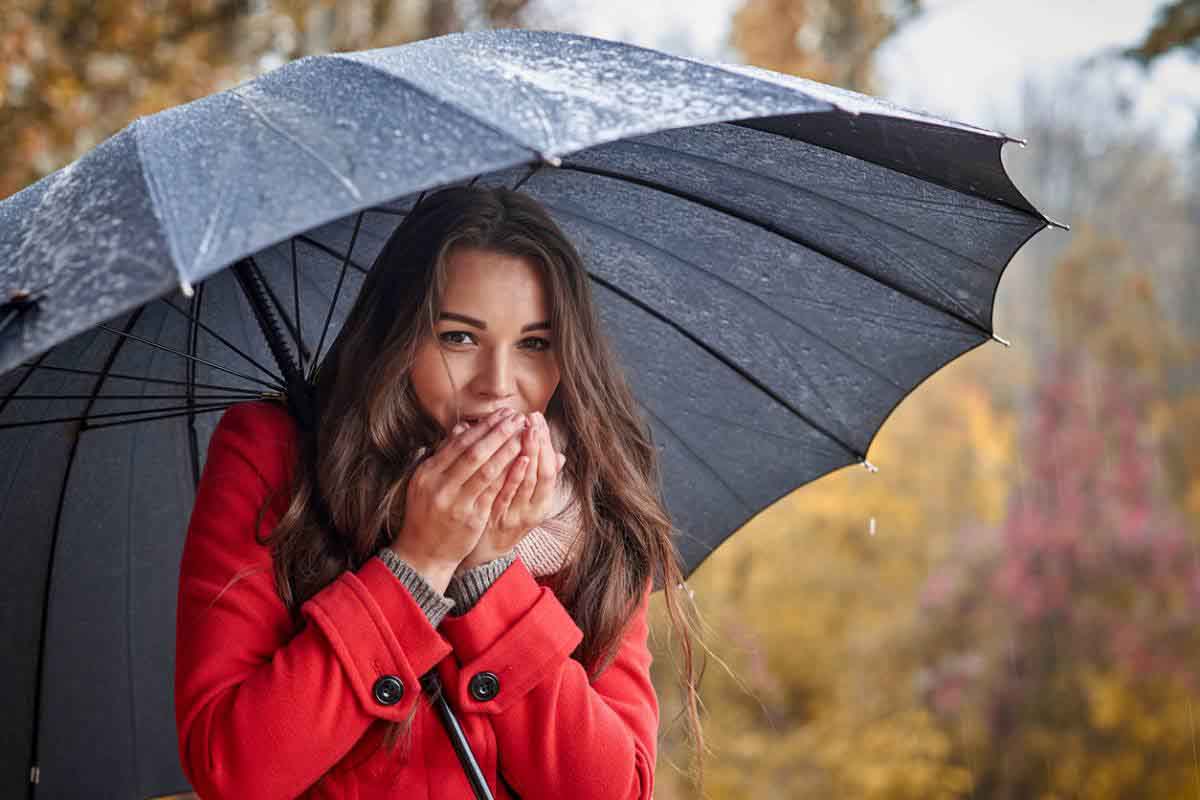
(963, 59)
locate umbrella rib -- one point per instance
(20, 383)
(683, 443)
(196, 322)
(180, 413)
(743, 427)
(917, 272)
(935, 181)
(14, 396)
(336, 293)
(316, 287)
(251, 378)
(815, 389)
(772, 228)
(25, 445)
(54, 532)
(271, 125)
(753, 297)
(444, 103)
(533, 170)
(300, 348)
(894, 321)
(950, 208)
(832, 200)
(721, 357)
(124, 376)
(136, 416)
(330, 251)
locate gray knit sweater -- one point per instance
(462, 593)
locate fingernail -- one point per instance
(458, 429)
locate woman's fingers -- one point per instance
(525, 493)
(453, 446)
(486, 480)
(547, 467)
(473, 468)
(513, 481)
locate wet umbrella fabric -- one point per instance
(777, 263)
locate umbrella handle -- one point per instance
(433, 687)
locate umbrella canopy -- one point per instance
(777, 263)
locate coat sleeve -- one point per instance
(557, 734)
(261, 710)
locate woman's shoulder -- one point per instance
(263, 421)
(261, 432)
(264, 416)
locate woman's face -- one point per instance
(494, 331)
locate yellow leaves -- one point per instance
(1113, 704)
(61, 91)
(901, 755)
(1106, 699)
(818, 618)
(1192, 501)
(828, 42)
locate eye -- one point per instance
(536, 343)
(542, 344)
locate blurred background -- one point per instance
(1009, 609)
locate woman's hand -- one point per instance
(526, 498)
(451, 494)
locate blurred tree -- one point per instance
(815, 608)
(1177, 27)
(1067, 639)
(74, 72)
(1089, 164)
(831, 42)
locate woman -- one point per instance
(410, 529)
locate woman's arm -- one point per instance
(262, 711)
(557, 734)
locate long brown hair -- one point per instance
(349, 481)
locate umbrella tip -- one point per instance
(1004, 342)
(553, 161)
(185, 286)
(1055, 224)
(1015, 139)
(869, 466)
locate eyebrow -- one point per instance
(544, 325)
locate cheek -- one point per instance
(429, 380)
(549, 380)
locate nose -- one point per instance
(496, 375)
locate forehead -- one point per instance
(498, 284)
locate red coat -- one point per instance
(263, 714)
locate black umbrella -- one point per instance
(778, 263)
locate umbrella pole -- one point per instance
(433, 687)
